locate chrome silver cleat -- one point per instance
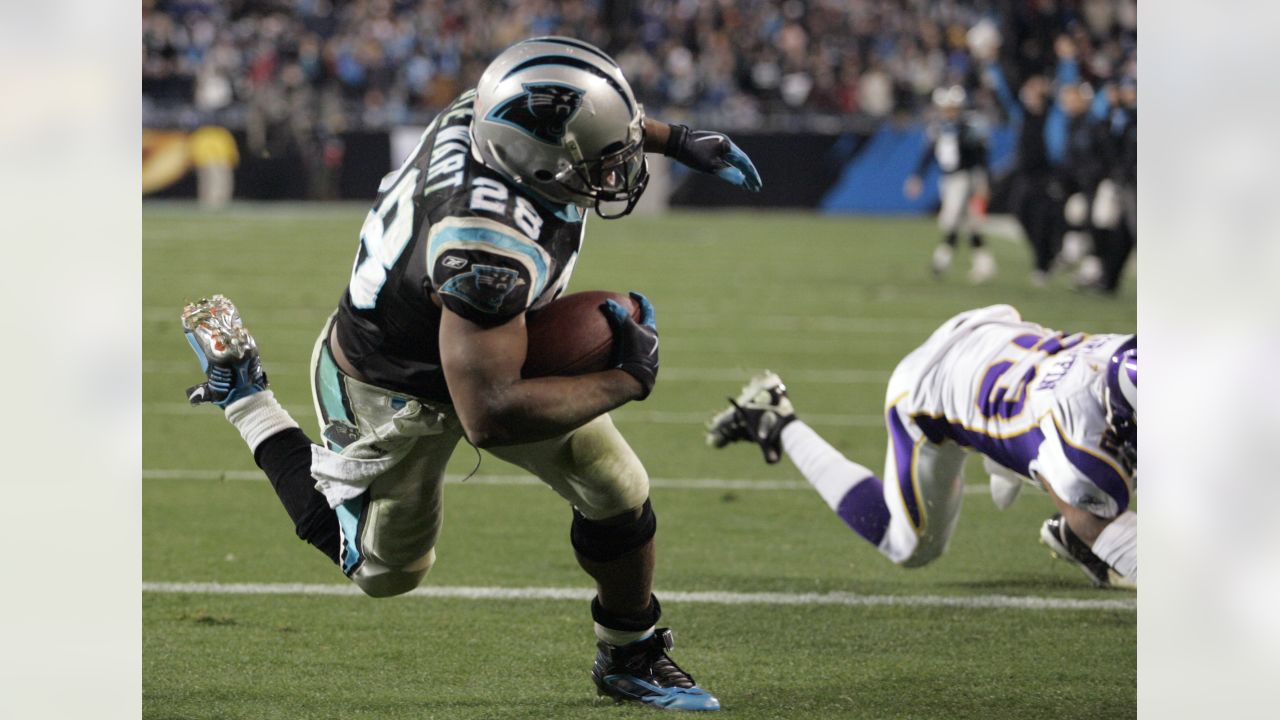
(227, 352)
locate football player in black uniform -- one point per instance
(959, 147)
(481, 225)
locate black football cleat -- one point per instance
(642, 672)
(1065, 545)
(758, 416)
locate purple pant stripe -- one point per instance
(903, 448)
(863, 510)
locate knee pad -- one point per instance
(605, 542)
(380, 581)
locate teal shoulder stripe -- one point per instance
(568, 212)
(501, 241)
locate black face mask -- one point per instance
(618, 177)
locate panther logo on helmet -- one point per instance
(542, 110)
(557, 116)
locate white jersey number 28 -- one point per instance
(383, 240)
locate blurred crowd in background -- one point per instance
(796, 64)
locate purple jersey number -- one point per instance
(1005, 401)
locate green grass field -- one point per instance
(830, 303)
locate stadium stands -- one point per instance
(817, 64)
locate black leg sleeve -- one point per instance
(286, 459)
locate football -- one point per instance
(570, 336)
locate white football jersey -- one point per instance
(1028, 398)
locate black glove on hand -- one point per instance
(712, 153)
(635, 344)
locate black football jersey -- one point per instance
(956, 145)
(448, 231)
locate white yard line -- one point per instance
(1001, 602)
(517, 480)
(666, 417)
(733, 375)
(657, 417)
(741, 375)
(185, 409)
(674, 320)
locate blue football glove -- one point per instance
(635, 344)
(713, 153)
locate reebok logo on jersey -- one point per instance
(453, 262)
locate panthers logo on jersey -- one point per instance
(542, 110)
(486, 288)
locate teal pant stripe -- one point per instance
(329, 385)
(349, 520)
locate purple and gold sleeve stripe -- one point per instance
(1101, 471)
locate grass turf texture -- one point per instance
(816, 298)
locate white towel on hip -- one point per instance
(343, 476)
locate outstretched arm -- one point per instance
(995, 77)
(656, 135)
(702, 150)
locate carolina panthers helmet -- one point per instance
(556, 115)
(1121, 395)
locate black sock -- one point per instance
(951, 238)
(627, 624)
(286, 459)
(976, 240)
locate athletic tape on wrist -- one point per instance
(675, 139)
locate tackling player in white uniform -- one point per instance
(1054, 409)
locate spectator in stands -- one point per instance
(295, 74)
(793, 57)
(214, 153)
